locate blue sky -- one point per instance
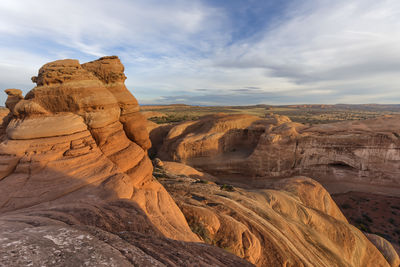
(215, 52)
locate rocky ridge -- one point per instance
(76, 185)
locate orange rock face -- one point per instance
(296, 223)
(386, 248)
(358, 155)
(14, 96)
(80, 126)
(73, 145)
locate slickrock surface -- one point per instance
(362, 155)
(386, 248)
(76, 185)
(208, 137)
(372, 213)
(295, 224)
(116, 233)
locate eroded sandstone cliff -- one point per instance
(362, 155)
(76, 185)
(295, 223)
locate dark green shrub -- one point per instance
(202, 232)
(227, 187)
(346, 206)
(200, 181)
(367, 218)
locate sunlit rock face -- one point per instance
(250, 150)
(75, 176)
(295, 222)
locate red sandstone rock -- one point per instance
(74, 145)
(356, 155)
(14, 96)
(295, 224)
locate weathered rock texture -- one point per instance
(75, 145)
(357, 154)
(386, 248)
(372, 213)
(294, 224)
(116, 233)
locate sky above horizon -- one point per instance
(215, 52)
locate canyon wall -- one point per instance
(361, 155)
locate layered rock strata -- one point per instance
(73, 164)
(296, 223)
(362, 155)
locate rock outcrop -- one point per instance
(294, 224)
(362, 155)
(75, 177)
(372, 213)
(385, 248)
(14, 96)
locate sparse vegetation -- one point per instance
(227, 187)
(159, 173)
(367, 218)
(173, 118)
(201, 231)
(228, 249)
(307, 114)
(363, 227)
(200, 181)
(346, 206)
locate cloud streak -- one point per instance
(242, 52)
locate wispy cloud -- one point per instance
(216, 52)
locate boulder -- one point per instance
(14, 96)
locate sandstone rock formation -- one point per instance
(386, 248)
(76, 181)
(116, 233)
(81, 126)
(14, 96)
(295, 224)
(362, 155)
(208, 137)
(372, 213)
(76, 186)
(347, 156)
